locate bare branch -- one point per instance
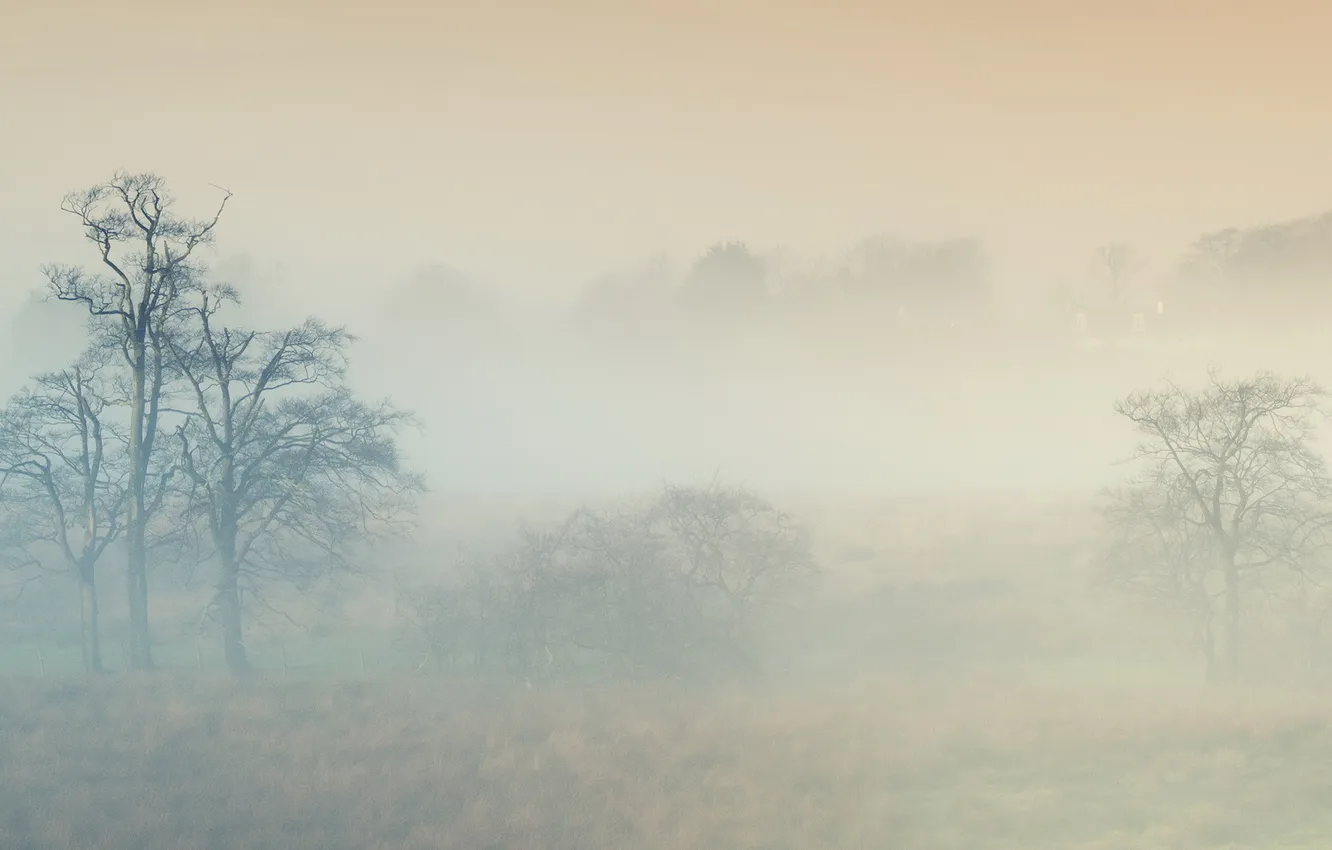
(1231, 486)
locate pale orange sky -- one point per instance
(541, 143)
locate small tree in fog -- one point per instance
(607, 584)
(148, 269)
(288, 472)
(464, 610)
(669, 587)
(649, 619)
(65, 472)
(548, 583)
(435, 613)
(1230, 470)
(734, 550)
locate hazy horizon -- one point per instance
(535, 148)
(541, 145)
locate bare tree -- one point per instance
(67, 466)
(546, 578)
(1236, 460)
(672, 585)
(1115, 258)
(734, 550)
(147, 254)
(649, 619)
(465, 610)
(280, 456)
(435, 613)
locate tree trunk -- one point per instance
(92, 642)
(140, 646)
(1232, 617)
(140, 643)
(226, 531)
(229, 610)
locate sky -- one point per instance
(539, 143)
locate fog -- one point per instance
(521, 397)
(816, 391)
(359, 160)
(825, 412)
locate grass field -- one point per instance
(357, 655)
(173, 762)
(957, 683)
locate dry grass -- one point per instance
(896, 763)
(162, 763)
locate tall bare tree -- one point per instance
(1116, 258)
(148, 269)
(1236, 461)
(66, 465)
(287, 470)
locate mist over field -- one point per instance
(564, 426)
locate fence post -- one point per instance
(198, 655)
(362, 653)
(286, 669)
(41, 661)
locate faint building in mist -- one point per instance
(1130, 316)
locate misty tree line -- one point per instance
(673, 587)
(186, 438)
(1230, 504)
(729, 280)
(943, 279)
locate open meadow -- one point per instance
(950, 684)
(179, 763)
